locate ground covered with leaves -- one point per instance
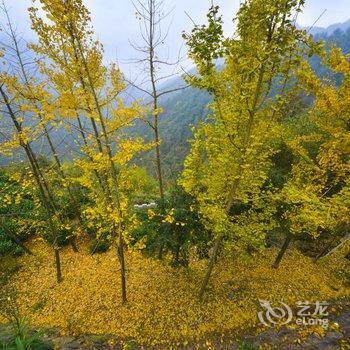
(162, 308)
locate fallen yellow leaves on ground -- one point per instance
(162, 308)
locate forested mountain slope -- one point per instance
(185, 109)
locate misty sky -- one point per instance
(115, 22)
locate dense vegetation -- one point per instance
(185, 109)
(259, 194)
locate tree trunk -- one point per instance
(282, 251)
(326, 250)
(210, 267)
(160, 251)
(218, 241)
(176, 255)
(73, 244)
(120, 251)
(159, 174)
(158, 159)
(58, 266)
(45, 194)
(343, 241)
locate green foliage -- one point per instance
(143, 186)
(244, 345)
(25, 339)
(131, 345)
(231, 156)
(17, 212)
(187, 109)
(174, 230)
(60, 239)
(98, 246)
(207, 42)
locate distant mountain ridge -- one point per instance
(330, 29)
(185, 109)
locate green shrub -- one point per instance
(172, 231)
(61, 237)
(25, 339)
(6, 246)
(98, 246)
(131, 345)
(13, 214)
(244, 345)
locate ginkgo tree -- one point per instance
(88, 92)
(38, 103)
(21, 135)
(316, 196)
(230, 156)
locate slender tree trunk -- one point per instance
(176, 255)
(45, 194)
(161, 251)
(152, 14)
(159, 166)
(73, 244)
(343, 241)
(158, 162)
(121, 257)
(210, 267)
(282, 251)
(25, 76)
(58, 266)
(219, 239)
(152, 73)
